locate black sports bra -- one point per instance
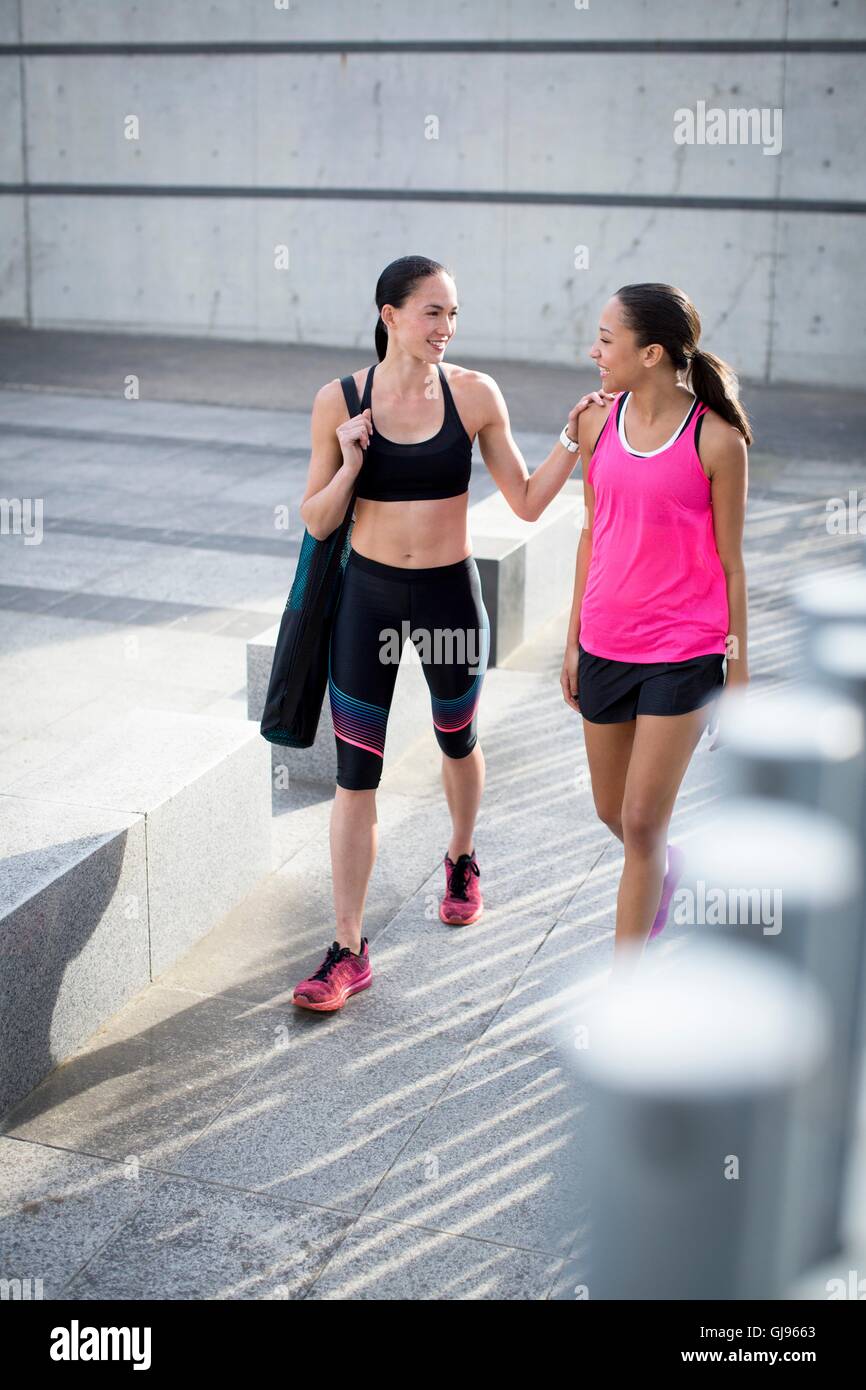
(437, 467)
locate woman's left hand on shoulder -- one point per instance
(593, 398)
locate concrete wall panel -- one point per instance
(11, 146)
(823, 154)
(826, 19)
(820, 302)
(177, 264)
(119, 20)
(9, 21)
(563, 124)
(724, 265)
(13, 278)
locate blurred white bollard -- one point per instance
(691, 1065)
(787, 880)
(827, 598)
(804, 744)
(839, 655)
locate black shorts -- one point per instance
(611, 692)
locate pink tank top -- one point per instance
(656, 588)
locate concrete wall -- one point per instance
(780, 288)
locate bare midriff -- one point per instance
(415, 535)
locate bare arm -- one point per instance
(589, 427)
(527, 495)
(337, 455)
(724, 452)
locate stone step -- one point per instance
(118, 856)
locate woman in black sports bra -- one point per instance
(410, 573)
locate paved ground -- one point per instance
(211, 1141)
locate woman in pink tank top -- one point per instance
(659, 617)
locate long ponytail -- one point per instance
(714, 382)
(381, 338)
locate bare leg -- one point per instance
(354, 842)
(463, 779)
(608, 750)
(663, 747)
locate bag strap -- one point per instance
(350, 391)
(309, 636)
(353, 405)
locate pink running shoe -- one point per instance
(463, 902)
(341, 973)
(673, 874)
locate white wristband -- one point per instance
(568, 443)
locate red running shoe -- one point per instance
(341, 973)
(463, 902)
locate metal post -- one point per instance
(825, 598)
(787, 881)
(839, 655)
(690, 1069)
(804, 745)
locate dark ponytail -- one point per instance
(395, 285)
(663, 314)
(715, 383)
(381, 337)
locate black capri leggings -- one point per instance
(380, 606)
